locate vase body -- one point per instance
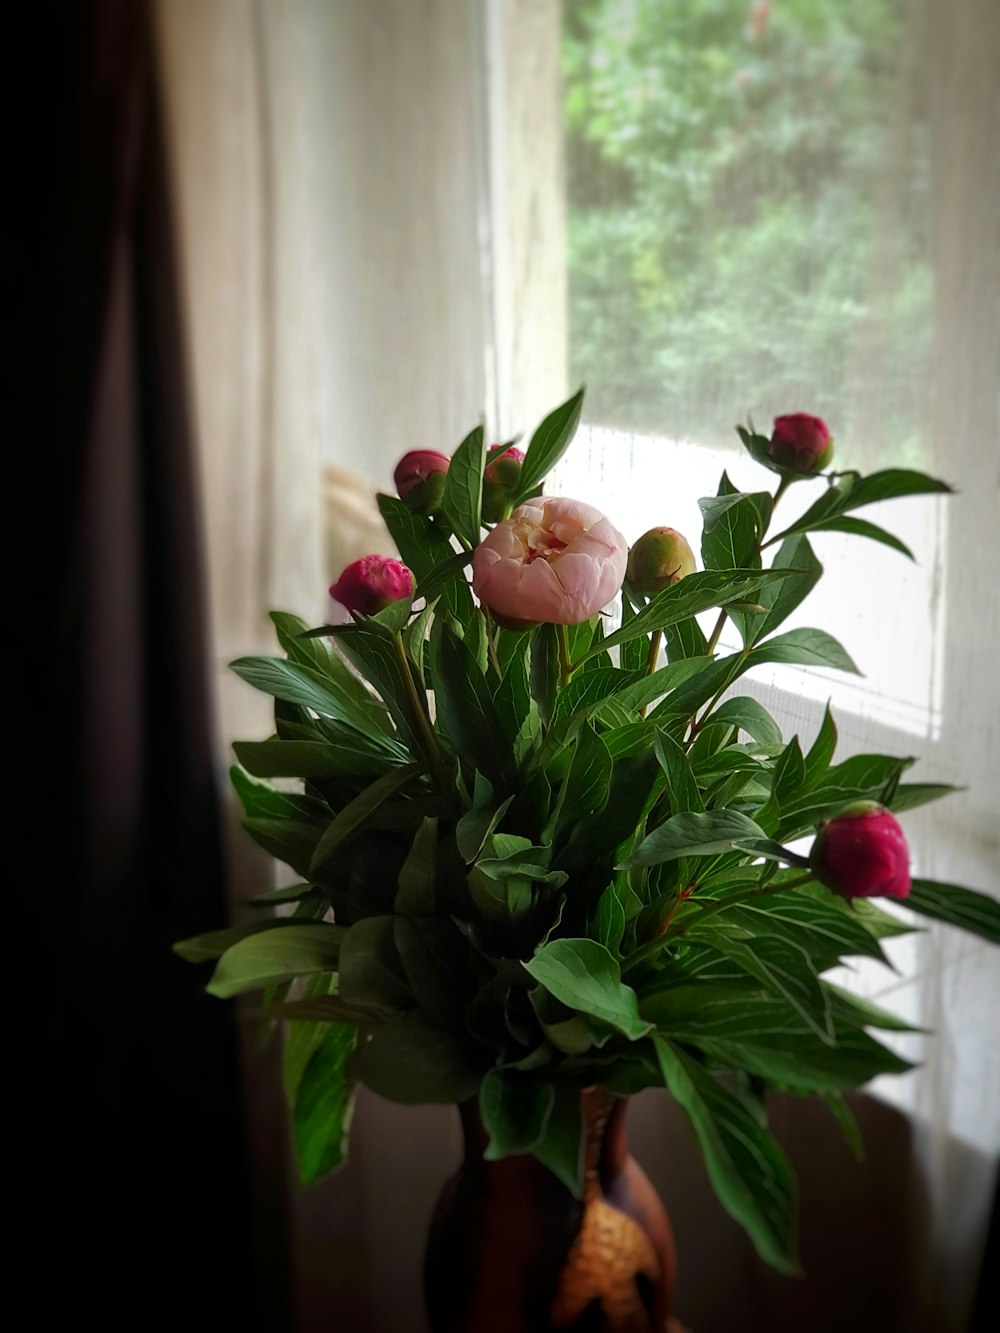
(512, 1251)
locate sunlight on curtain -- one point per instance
(792, 206)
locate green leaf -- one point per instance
(781, 599)
(302, 685)
(476, 825)
(587, 689)
(261, 800)
(588, 782)
(323, 1105)
(783, 968)
(206, 948)
(646, 689)
(908, 795)
(468, 714)
(463, 487)
(750, 1174)
(853, 491)
(416, 878)
(371, 971)
(276, 955)
(610, 920)
(302, 1039)
(442, 575)
(750, 716)
(291, 841)
(514, 1109)
(860, 527)
(548, 444)
(695, 834)
(733, 526)
(355, 815)
(805, 647)
(435, 958)
(698, 592)
(822, 750)
(411, 1063)
(306, 759)
(975, 912)
(292, 634)
(545, 669)
(584, 975)
(561, 1145)
(423, 547)
(682, 787)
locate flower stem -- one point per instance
(566, 667)
(713, 642)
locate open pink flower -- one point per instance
(558, 560)
(862, 853)
(371, 583)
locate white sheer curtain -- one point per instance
(373, 225)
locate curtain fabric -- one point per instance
(130, 1202)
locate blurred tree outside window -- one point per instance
(749, 215)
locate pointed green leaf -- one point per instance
(548, 444)
(975, 912)
(750, 1174)
(276, 955)
(694, 834)
(586, 977)
(355, 815)
(323, 1104)
(514, 1108)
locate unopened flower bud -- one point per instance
(500, 479)
(801, 443)
(419, 479)
(659, 558)
(862, 853)
(372, 583)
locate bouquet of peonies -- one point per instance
(543, 844)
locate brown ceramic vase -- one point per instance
(511, 1251)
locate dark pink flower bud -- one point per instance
(372, 583)
(419, 479)
(659, 558)
(801, 443)
(500, 478)
(862, 853)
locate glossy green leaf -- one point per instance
(750, 1174)
(412, 1063)
(514, 1108)
(804, 647)
(302, 685)
(323, 1104)
(548, 444)
(463, 487)
(356, 815)
(584, 975)
(975, 912)
(276, 955)
(695, 834)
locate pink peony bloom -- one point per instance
(556, 560)
(419, 479)
(371, 583)
(862, 853)
(500, 478)
(801, 443)
(659, 558)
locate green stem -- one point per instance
(652, 657)
(713, 642)
(434, 755)
(566, 667)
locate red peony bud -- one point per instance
(419, 479)
(500, 479)
(801, 443)
(659, 558)
(862, 853)
(372, 583)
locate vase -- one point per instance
(511, 1250)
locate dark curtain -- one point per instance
(130, 1201)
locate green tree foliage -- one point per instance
(749, 204)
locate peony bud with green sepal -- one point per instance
(658, 559)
